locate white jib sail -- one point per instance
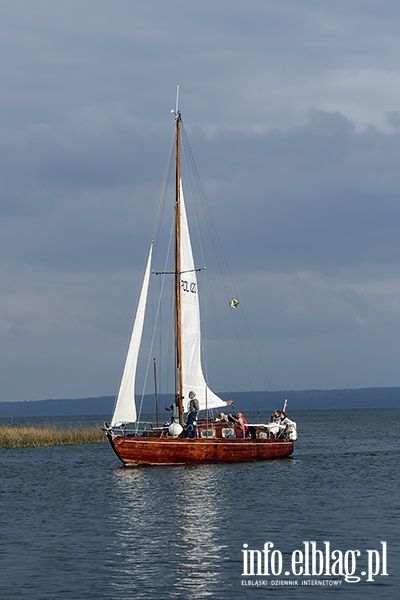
(125, 407)
(192, 373)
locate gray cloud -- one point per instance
(292, 110)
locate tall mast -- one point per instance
(178, 260)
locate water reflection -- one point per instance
(167, 531)
(178, 531)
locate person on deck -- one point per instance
(193, 412)
(175, 409)
(241, 421)
(222, 417)
(284, 423)
(274, 418)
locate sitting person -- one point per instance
(227, 430)
(222, 417)
(274, 418)
(284, 423)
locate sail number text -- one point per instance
(189, 286)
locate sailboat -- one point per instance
(215, 440)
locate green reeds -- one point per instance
(14, 436)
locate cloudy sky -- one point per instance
(293, 113)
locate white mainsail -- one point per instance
(125, 407)
(192, 373)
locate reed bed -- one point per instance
(14, 436)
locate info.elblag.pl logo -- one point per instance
(314, 561)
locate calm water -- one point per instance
(77, 526)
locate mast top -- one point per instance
(177, 112)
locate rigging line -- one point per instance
(244, 363)
(148, 364)
(191, 169)
(169, 366)
(195, 182)
(165, 336)
(154, 333)
(223, 264)
(262, 365)
(155, 325)
(156, 232)
(165, 341)
(215, 238)
(198, 191)
(170, 311)
(174, 272)
(163, 193)
(223, 267)
(222, 354)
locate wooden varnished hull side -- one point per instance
(158, 451)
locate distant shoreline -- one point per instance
(263, 401)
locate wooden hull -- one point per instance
(165, 451)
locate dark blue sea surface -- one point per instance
(76, 525)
